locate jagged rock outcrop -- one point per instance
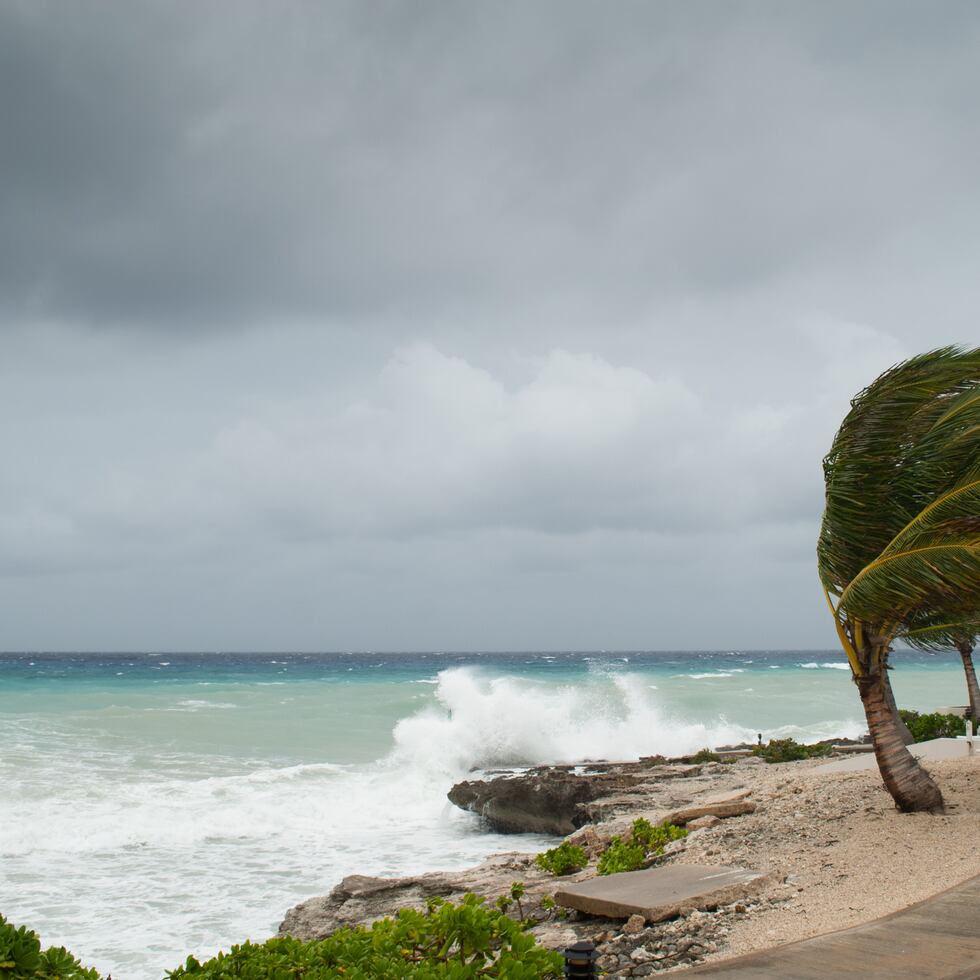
(557, 800)
(361, 899)
(620, 793)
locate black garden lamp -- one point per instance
(580, 960)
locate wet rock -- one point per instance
(542, 801)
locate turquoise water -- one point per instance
(155, 805)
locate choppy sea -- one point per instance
(154, 805)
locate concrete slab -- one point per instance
(660, 893)
(935, 750)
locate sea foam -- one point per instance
(482, 721)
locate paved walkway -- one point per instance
(938, 939)
(936, 750)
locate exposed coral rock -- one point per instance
(729, 805)
(361, 899)
(548, 801)
(560, 799)
(703, 823)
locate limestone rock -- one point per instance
(362, 899)
(703, 823)
(590, 840)
(727, 805)
(634, 924)
(543, 801)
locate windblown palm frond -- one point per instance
(948, 452)
(942, 635)
(953, 515)
(889, 459)
(926, 577)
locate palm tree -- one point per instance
(961, 632)
(965, 647)
(900, 537)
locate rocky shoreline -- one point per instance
(831, 848)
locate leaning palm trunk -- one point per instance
(966, 652)
(910, 785)
(903, 729)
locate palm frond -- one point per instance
(903, 584)
(944, 635)
(890, 457)
(952, 514)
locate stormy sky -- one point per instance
(439, 325)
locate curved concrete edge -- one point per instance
(919, 930)
(935, 750)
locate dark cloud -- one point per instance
(342, 314)
(172, 163)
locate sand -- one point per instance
(847, 855)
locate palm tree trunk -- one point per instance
(966, 652)
(903, 729)
(911, 787)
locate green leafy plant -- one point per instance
(504, 902)
(620, 856)
(934, 725)
(705, 755)
(564, 859)
(447, 942)
(21, 957)
(789, 750)
(654, 838)
(645, 839)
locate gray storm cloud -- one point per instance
(454, 325)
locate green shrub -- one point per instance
(621, 856)
(645, 839)
(789, 750)
(705, 755)
(655, 838)
(21, 958)
(564, 859)
(448, 942)
(935, 725)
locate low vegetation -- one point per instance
(565, 859)
(645, 840)
(789, 750)
(621, 855)
(934, 725)
(21, 957)
(447, 942)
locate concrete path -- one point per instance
(934, 750)
(938, 939)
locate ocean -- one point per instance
(155, 805)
